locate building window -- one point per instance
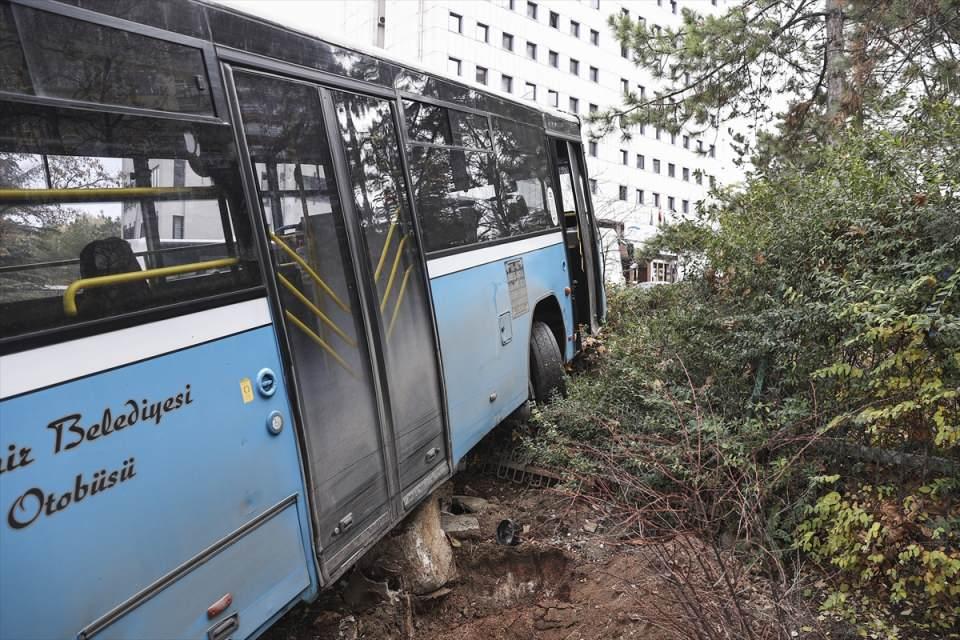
(530, 91)
(698, 176)
(593, 108)
(624, 86)
(453, 66)
(685, 205)
(575, 29)
(594, 37)
(624, 52)
(594, 74)
(673, 6)
(686, 142)
(656, 132)
(513, 5)
(642, 90)
(673, 138)
(671, 203)
(656, 166)
(554, 19)
(177, 231)
(686, 174)
(553, 98)
(508, 42)
(623, 193)
(671, 170)
(455, 22)
(574, 105)
(594, 188)
(595, 4)
(592, 148)
(532, 10)
(483, 32)
(639, 196)
(553, 58)
(643, 129)
(713, 182)
(656, 200)
(713, 151)
(482, 75)
(506, 83)
(623, 156)
(641, 161)
(532, 50)
(574, 67)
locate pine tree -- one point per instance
(806, 68)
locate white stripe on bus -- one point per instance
(46, 366)
(485, 255)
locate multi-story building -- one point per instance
(560, 53)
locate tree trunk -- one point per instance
(836, 67)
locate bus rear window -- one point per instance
(103, 215)
(77, 60)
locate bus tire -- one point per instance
(546, 364)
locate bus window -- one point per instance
(78, 60)
(522, 173)
(103, 214)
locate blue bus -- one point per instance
(259, 294)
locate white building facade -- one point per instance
(557, 53)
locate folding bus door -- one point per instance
(580, 233)
(334, 377)
(353, 293)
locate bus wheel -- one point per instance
(546, 364)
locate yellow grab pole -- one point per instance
(393, 272)
(320, 341)
(386, 246)
(316, 311)
(396, 307)
(70, 295)
(306, 267)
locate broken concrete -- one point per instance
(471, 504)
(461, 527)
(417, 551)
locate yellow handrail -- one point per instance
(70, 296)
(316, 311)
(386, 246)
(27, 196)
(320, 341)
(396, 307)
(313, 274)
(393, 272)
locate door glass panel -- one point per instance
(379, 193)
(289, 151)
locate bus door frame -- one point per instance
(324, 83)
(586, 228)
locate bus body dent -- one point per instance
(486, 380)
(213, 508)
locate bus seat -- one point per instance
(107, 257)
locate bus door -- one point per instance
(586, 276)
(353, 301)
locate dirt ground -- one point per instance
(563, 581)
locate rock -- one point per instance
(417, 551)
(471, 504)
(347, 630)
(460, 526)
(556, 619)
(590, 527)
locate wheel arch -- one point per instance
(547, 310)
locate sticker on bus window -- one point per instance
(246, 390)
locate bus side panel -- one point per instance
(134, 472)
(476, 365)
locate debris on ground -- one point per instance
(562, 582)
